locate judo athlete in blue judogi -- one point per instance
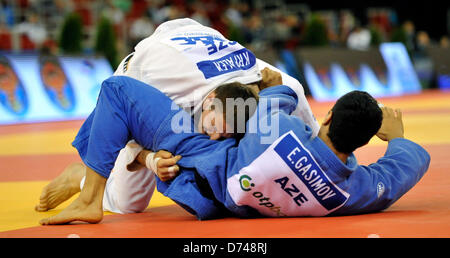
(189, 63)
(288, 173)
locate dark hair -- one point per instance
(240, 94)
(355, 120)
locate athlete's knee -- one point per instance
(134, 189)
(134, 203)
(111, 84)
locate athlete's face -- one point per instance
(212, 121)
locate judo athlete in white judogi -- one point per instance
(192, 61)
(187, 62)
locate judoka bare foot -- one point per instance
(79, 210)
(87, 207)
(61, 188)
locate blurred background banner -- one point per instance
(37, 88)
(330, 74)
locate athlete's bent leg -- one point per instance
(120, 115)
(128, 191)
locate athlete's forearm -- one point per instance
(139, 161)
(142, 157)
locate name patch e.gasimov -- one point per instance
(286, 180)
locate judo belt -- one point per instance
(127, 60)
(206, 191)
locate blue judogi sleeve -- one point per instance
(377, 186)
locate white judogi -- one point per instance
(186, 61)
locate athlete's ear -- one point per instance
(207, 103)
(327, 119)
(218, 136)
(215, 136)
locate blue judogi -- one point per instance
(287, 173)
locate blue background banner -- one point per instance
(37, 88)
(327, 73)
(329, 82)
